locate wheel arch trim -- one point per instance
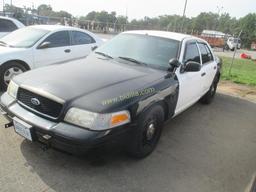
(23, 63)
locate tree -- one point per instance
(248, 26)
(44, 10)
(17, 11)
(205, 21)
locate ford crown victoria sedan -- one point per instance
(41, 45)
(121, 93)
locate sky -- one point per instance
(137, 9)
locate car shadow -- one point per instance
(182, 160)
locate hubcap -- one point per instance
(150, 131)
(10, 73)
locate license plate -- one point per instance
(22, 128)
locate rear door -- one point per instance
(209, 66)
(82, 44)
(190, 83)
(59, 49)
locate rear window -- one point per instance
(7, 26)
(80, 38)
(205, 53)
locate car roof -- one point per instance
(164, 34)
(54, 27)
(8, 18)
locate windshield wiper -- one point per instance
(133, 60)
(3, 43)
(104, 54)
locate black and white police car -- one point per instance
(123, 92)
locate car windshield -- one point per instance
(236, 40)
(23, 38)
(153, 51)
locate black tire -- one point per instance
(146, 136)
(209, 96)
(13, 64)
(226, 47)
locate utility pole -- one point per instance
(184, 14)
(219, 15)
(219, 9)
(185, 8)
(233, 59)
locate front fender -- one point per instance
(167, 96)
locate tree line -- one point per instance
(195, 25)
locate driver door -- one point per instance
(190, 83)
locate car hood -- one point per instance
(87, 82)
(9, 50)
(3, 34)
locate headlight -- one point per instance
(96, 121)
(12, 89)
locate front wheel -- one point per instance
(146, 136)
(208, 97)
(8, 71)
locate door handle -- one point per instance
(203, 74)
(67, 50)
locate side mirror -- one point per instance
(192, 66)
(174, 64)
(94, 48)
(44, 45)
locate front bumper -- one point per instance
(63, 136)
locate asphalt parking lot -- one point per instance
(207, 148)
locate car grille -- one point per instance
(47, 107)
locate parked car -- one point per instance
(41, 45)
(123, 92)
(8, 25)
(233, 43)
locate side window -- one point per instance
(7, 26)
(191, 53)
(59, 39)
(209, 52)
(205, 53)
(80, 38)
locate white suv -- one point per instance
(233, 43)
(8, 25)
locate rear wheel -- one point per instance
(8, 71)
(146, 136)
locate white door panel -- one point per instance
(79, 51)
(49, 56)
(58, 50)
(190, 89)
(190, 83)
(210, 72)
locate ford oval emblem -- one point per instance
(35, 101)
